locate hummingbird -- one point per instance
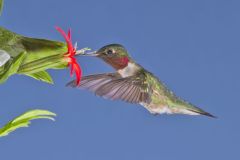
(133, 84)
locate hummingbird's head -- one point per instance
(115, 55)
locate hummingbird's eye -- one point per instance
(110, 51)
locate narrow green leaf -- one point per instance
(1, 6)
(41, 76)
(24, 120)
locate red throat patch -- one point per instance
(124, 61)
(118, 63)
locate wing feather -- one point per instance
(133, 95)
(112, 86)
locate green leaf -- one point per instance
(13, 67)
(41, 76)
(24, 120)
(1, 6)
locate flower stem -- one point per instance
(43, 64)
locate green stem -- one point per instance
(42, 64)
(46, 63)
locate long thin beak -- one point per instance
(94, 54)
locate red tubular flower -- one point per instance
(72, 62)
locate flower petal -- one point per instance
(67, 39)
(78, 73)
(72, 62)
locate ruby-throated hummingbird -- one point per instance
(134, 84)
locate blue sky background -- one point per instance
(193, 46)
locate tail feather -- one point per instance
(201, 112)
(188, 108)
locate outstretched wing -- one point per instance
(93, 82)
(112, 86)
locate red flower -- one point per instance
(72, 62)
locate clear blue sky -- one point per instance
(193, 46)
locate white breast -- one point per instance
(129, 70)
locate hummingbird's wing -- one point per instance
(93, 82)
(112, 86)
